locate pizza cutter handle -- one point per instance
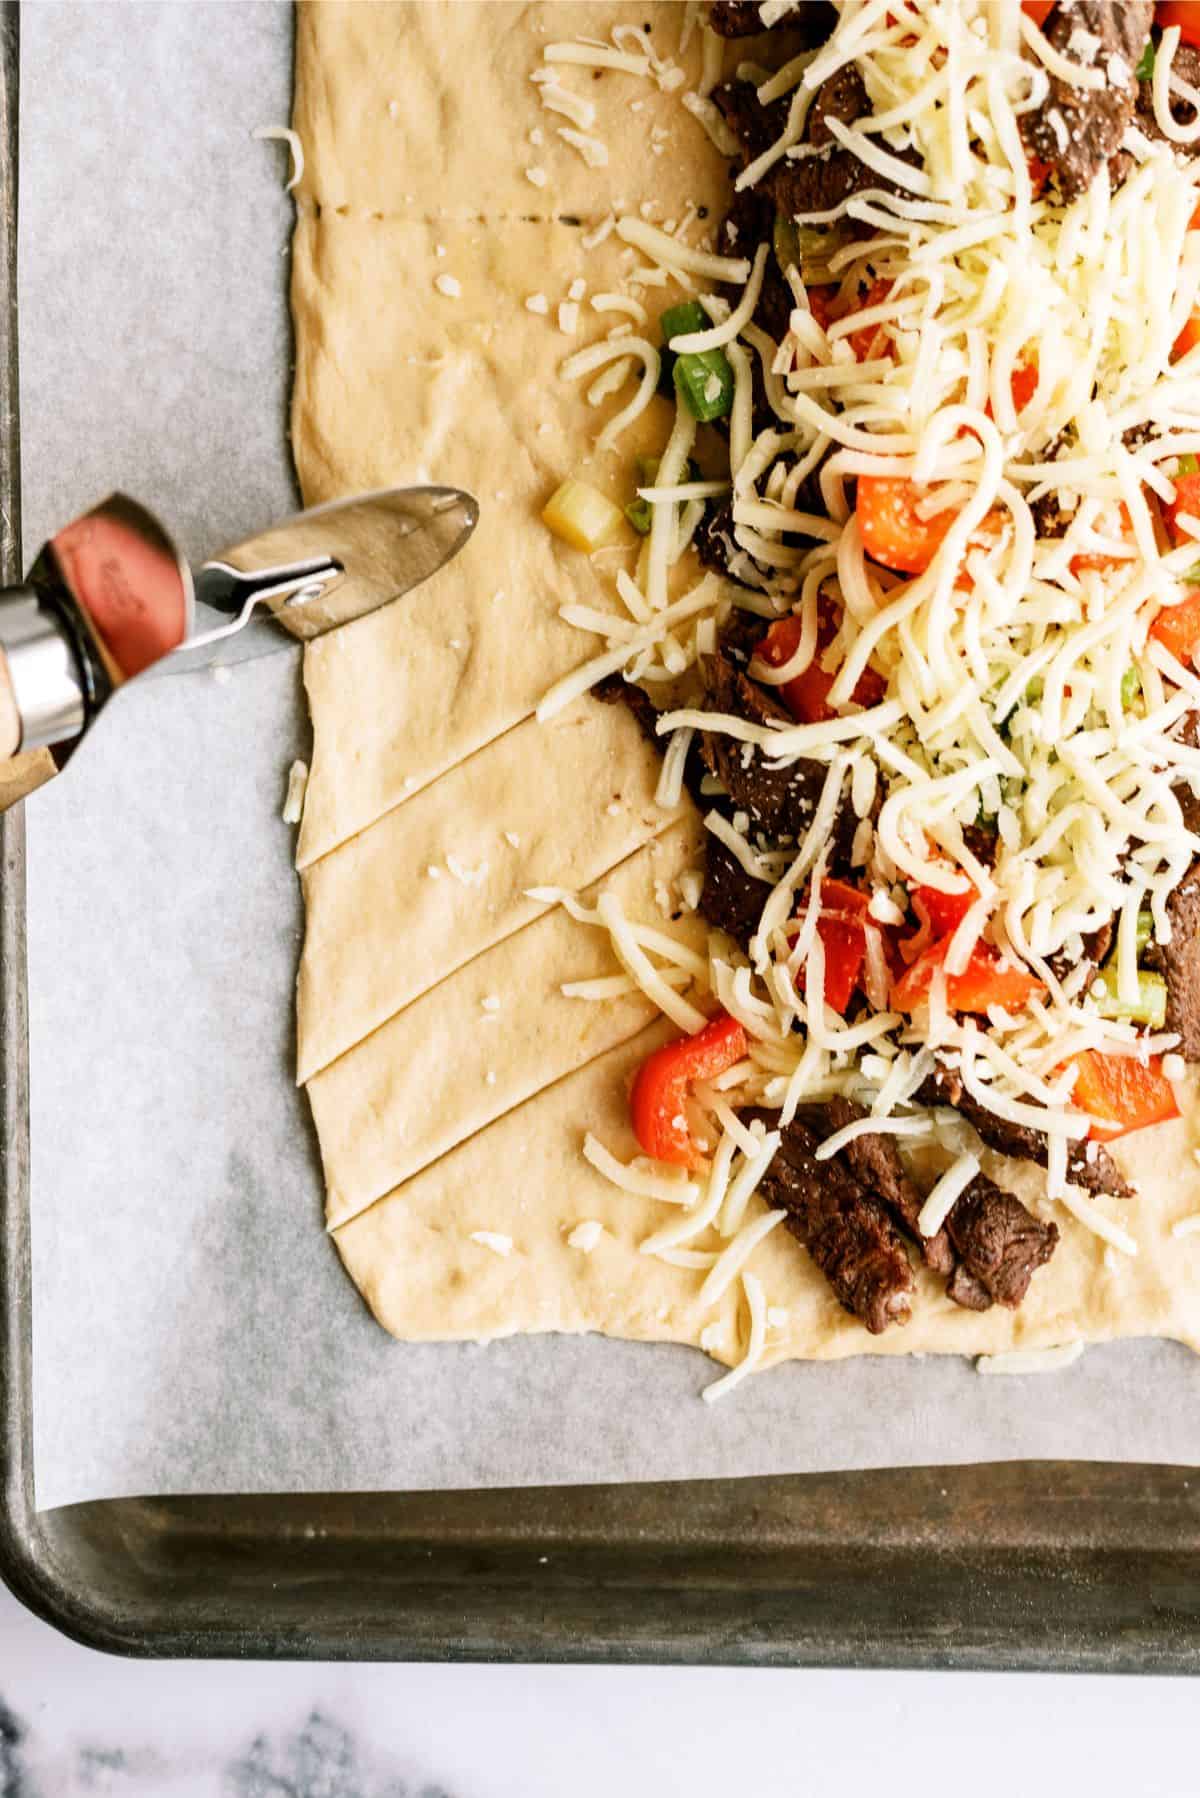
(49, 684)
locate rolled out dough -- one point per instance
(419, 124)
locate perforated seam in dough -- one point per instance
(309, 208)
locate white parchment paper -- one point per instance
(193, 1330)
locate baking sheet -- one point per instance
(193, 1330)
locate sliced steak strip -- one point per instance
(741, 635)
(1188, 732)
(735, 18)
(814, 20)
(1001, 1244)
(755, 126)
(965, 1290)
(1075, 129)
(819, 183)
(778, 801)
(1179, 961)
(843, 97)
(815, 183)
(749, 222)
(731, 899)
(874, 1160)
(846, 1231)
(1187, 66)
(1089, 1164)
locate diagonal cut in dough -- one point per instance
(486, 1038)
(439, 880)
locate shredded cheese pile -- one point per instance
(1004, 661)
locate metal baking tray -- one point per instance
(1030, 1565)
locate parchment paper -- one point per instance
(193, 1330)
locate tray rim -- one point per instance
(1127, 1557)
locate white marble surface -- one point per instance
(73, 1722)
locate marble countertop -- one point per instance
(75, 1724)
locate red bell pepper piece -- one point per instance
(840, 899)
(822, 303)
(1187, 500)
(1185, 14)
(806, 695)
(893, 532)
(827, 304)
(1024, 384)
(844, 940)
(1123, 1091)
(986, 980)
(659, 1094)
(1038, 10)
(943, 912)
(1179, 628)
(1188, 338)
(845, 946)
(870, 340)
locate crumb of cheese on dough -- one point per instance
(494, 1240)
(585, 1236)
(448, 285)
(293, 804)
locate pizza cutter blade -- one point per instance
(321, 569)
(110, 598)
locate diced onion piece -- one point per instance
(582, 516)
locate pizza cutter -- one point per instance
(110, 599)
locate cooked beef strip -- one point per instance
(964, 1289)
(755, 126)
(819, 183)
(1075, 129)
(814, 20)
(844, 1228)
(714, 541)
(875, 1162)
(843, 97)
(735, 18)
(1187, 66)
(1188, 732)
(1001, 1244)
(731, 899)
(1179, 962)
(1089, 1164)
(983, 842)
(779, 802)
(741, 635)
